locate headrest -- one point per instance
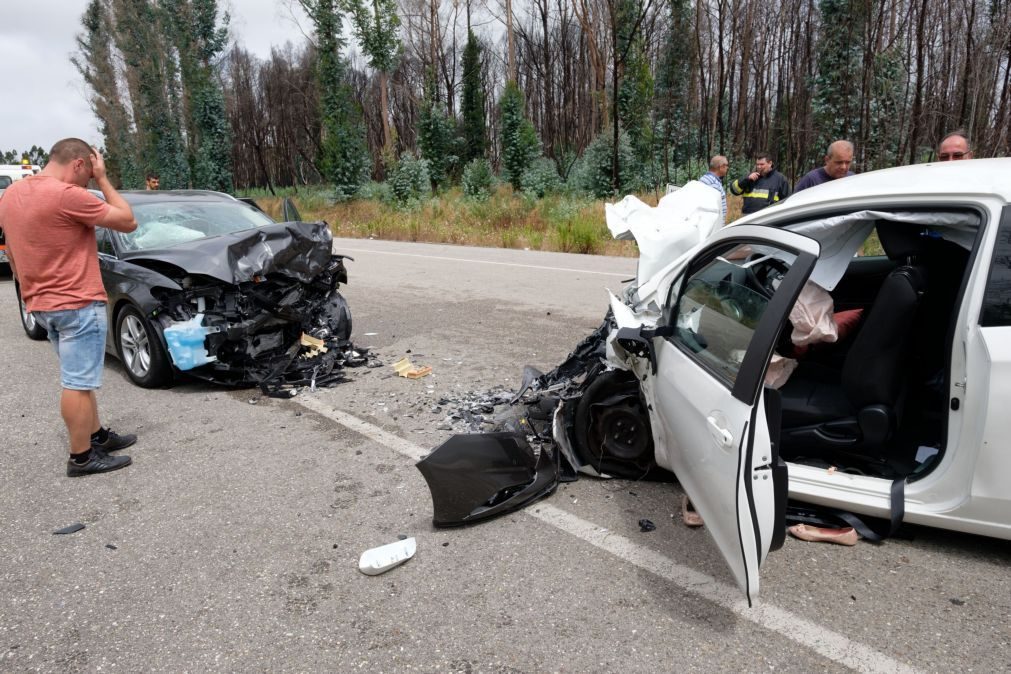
(900, 240)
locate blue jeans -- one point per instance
(78, 335)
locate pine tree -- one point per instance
(141, 30)
(95, 63)
(199, 39)
(520, 145)
(344, 159)
(472, 106)
(836, 103)
(635, 97)
(376, 30)
(674, 130)
(436, 138)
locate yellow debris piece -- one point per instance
(315, 345)
(405, 368)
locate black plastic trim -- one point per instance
(780, 472)
(737, 502)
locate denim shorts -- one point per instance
(78, 335)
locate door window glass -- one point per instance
(722, 302)
(996, 308)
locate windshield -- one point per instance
(169, 223)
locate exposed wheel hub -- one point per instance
(619, 428)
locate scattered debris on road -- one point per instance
(405, 368)
(70, 529)
(380, 560)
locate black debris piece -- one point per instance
(479, 476)
(401, 537)
(73, 528)
(111, 546)
(646, 525)
(957, 602)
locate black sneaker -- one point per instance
(98, 463)
(114, 442)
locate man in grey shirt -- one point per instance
(718, 167)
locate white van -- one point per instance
(16, 172)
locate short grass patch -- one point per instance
(504, 219)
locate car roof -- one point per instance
(976, 176)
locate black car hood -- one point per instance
(300, 250)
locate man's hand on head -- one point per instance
(97, 164)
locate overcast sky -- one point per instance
(43, 96)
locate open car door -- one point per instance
(708, 403)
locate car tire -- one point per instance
(612, 428)
(140, 349)
(28, 322)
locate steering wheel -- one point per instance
(762, 280)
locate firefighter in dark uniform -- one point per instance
(762, 187)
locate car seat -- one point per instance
(856, 409)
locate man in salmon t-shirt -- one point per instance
(49, 221)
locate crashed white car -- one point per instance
(903, 418)
(912, 398)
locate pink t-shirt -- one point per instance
(50, 230)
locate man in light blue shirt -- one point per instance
(718, 167)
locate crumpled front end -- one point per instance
(585, 416)
(264, 309)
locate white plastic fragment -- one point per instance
(380, 560)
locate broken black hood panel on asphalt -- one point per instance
(299, 250)
(478, 476)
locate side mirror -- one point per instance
(288, 211)
(639, 343)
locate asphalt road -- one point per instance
(232, 543)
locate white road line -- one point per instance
(391, 440)
(827, 643)
(341, 249)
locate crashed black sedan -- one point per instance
(212, 286)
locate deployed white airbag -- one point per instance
(681, 220)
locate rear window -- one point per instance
(170, 223)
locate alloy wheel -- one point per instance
(135, 345)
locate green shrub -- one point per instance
(540, 178)
(409, 180)
(593, 171)
(477, 179)
(577, 236)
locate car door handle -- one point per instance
(722, 435)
